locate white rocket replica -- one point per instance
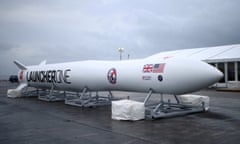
(164, 75)
(161, 75)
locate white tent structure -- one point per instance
(225, 58)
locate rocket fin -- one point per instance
(20, 65)
(43, 62)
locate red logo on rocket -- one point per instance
(112, 76)
(21, 75)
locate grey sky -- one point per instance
(70, 30)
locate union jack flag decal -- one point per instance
(147, 68)
(154, 68)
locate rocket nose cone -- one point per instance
(214, 74)
(188, 75)
(218, 74)
(205, 75)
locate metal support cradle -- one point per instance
(51, 95)
(168, 109)
(84, 99)
(87, 99)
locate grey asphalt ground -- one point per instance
(31, 121)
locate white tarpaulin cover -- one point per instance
(13, 93)
(195, 100)
(128, 110)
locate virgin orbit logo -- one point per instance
(112, 76)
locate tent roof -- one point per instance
(209, 54)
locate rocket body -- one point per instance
(169, 76)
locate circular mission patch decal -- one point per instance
(112, 76)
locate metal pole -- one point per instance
(120, 51)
